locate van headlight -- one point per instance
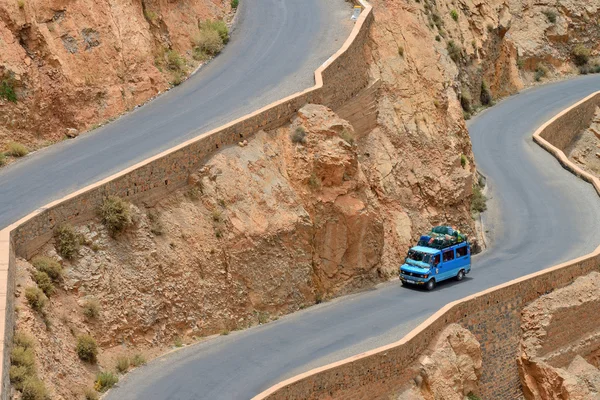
(426, 276)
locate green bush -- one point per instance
(466, 100)
(207, 43)
(581, 55)
(454, 15)
(7, 90)
(122, 364)
(550, 16)
(454, 50)
(16, 149)
(17, 375)
(87, 349)
(463, 160)
(347, 136)
(34, 389)
(540, 72)
(2, 159)
(478, 200)
(23, 340)
(66, 241)
(137, 360)
(36, 298)
(91, 309)
(115, 215)
(235, 3)
(299, 135)
(486, 95)
(105, 380)
(218, 26)
(23, 357)
(48, 265)
(175, 62)
(44, 282)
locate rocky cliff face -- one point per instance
(560, 347)
(75, 64)
(268, 227)
(480, 50)
(450, 370)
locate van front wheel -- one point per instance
(430, 285)
(461, 275)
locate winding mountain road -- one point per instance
(275, 49)
(547, 215)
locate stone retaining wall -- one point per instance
(493, 316)
(344, 75)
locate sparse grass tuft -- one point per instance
(472, 396)
(34, 389)
(550, 16)
(178, 342)
(466, 100)
(540, 72)
(66, 241)
(138, 360)
(48, 265)
(2, 159)
(87, 349)
(581, 55)
(347, 136)
(463, 160)
(454, 50)
(478, 201)
(23, 340)
(210, 39)
(115, 214)
(105, 380)
(7, 88)
(36, 298)
(16, 149)
(122, 364)
(299, 135)
(44, 282)
(150, 15)
(314, 181)
(91, 309)
(454, 15)
(485, 96)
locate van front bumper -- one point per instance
(412, 280)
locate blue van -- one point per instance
(427, 265)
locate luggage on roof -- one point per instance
(441, 237)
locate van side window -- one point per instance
(436, 260)
(461, 252)
(449, 255)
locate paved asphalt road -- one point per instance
(547, 214)
(273, 53)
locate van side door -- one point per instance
(463, 258)
(448, 265)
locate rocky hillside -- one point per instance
(70, 65)
(560, 346)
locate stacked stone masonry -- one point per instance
(343, 77)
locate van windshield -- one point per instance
(418, 256)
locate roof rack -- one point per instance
(442, 237)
